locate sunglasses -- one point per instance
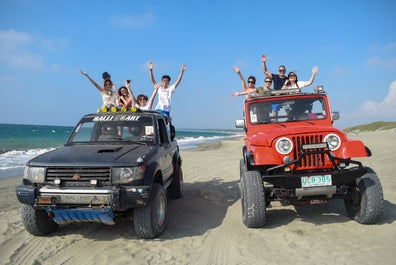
(251, 82)
(268, 81)
(141, 99)
(291, 75)
(282, 71)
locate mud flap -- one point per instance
(64, 216)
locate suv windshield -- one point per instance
(287, 109)
(115, 129)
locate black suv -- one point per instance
(114, 165)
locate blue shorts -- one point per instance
(275, 107)
(165, 113)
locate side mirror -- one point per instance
(240, 123)
(335, 115)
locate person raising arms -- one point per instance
(294, 83)
(141, 101)
(124, 97)
(278, 79)
(251, 82)
(260, 91)
(165, 91)
(109, 97)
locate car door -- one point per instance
(166, 150)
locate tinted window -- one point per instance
(115, 128)
(282, 110)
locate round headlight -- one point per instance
(284, 146)
(333, 140)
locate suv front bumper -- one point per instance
(119, 199)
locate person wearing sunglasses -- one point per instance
(251, 84)
(293, 82)
(142, 102)
(260, 91)
(278, 79)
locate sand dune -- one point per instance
(205, 226)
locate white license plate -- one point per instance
(316, 181)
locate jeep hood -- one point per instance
(92, 155)
(265, 137)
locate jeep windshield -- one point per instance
(114, 128)
(287, 109)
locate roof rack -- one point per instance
(285, 91)
(273, 92)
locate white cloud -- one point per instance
(384, 56)
(11, 38)
(379, 62)
(340, 71)
(54, 44)
(387, 48)
(17, 49)
(14, 50)
(130, 21)
(385, 109)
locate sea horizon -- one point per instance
(21, 142)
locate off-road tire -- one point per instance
(365, 202)
(175, 189)
(36, 221)
(242, 167)
(150, 220)
(253, 199)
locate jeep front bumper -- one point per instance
(293, 180)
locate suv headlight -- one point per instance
(34, 174)
(284, 146)
(333, 140)
(124, 175)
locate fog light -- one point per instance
(287, 169)
(342, 165)
(287, 159)
(57, 181)
(113, 109)
(94, 182)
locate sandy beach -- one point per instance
(205, 225)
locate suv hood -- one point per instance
(265, 137)
(92, 155)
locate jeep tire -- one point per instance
(253, 199)
(150, 220)
(242, 167)
(364, 203)
(37, 221)
(175, 189)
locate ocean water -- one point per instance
(20, 143)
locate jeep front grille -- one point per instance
(79, 175)
(309, 161)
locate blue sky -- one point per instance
(43, 44)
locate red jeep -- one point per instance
(293, 154)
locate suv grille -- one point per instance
(309, 161)
(79, 175)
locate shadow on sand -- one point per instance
(204, 206)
